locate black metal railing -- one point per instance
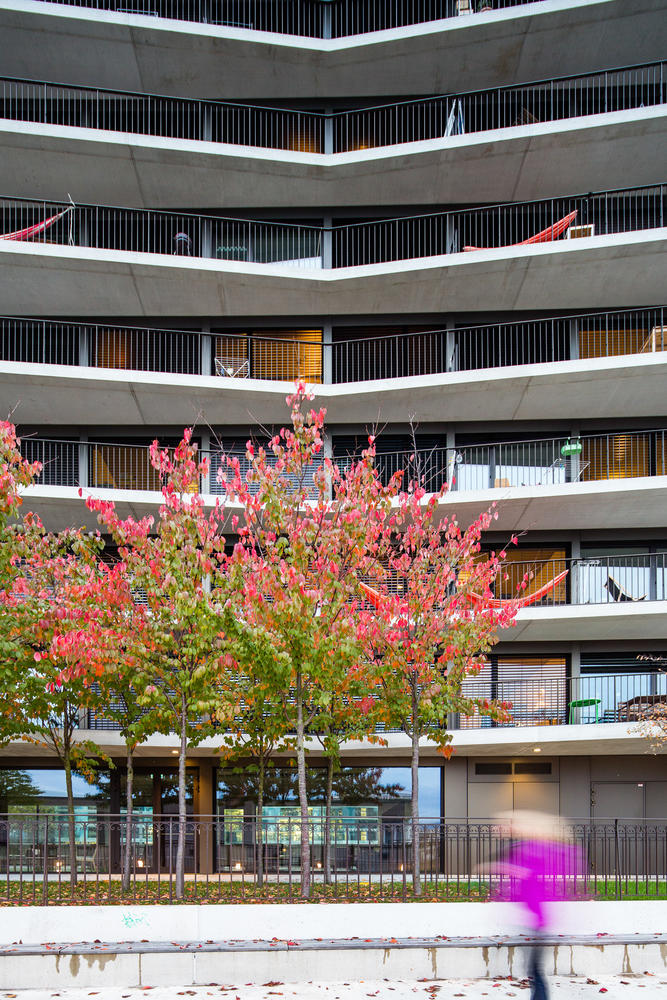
(544, 462)
(309, 18)
(312, 132)
(543, 699)
(498, 345)
(370, 857)
(602, 579)
(303, 354)
(294, 245)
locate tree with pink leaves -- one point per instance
(177, 654)
(435, 624)
(106, 640)
(307, 533)
(40, 573)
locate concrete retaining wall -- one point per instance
(328, 961)
(34, 925)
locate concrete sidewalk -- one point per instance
(640, 987)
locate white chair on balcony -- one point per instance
(232, 367)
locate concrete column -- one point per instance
(205, 809)
(205, 352)
(653, 575)
(455, 801)
(328, 131)
(574, 460)
(451, 364)
(326, 18)
(206, 453)
(84, 347)
(575, 674)
(574, 340)
(451, 460)
(327, 242)
(327, 353)
(576, 580)
(83, 462)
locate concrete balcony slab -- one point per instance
(600, 388)
(86, 46)
(580, 622)
(621, 270)
(542, 160)
(589, 739)
(567, 506)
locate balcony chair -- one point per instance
(232, 367)
(656, 340)
(617, 593)
(583, 703)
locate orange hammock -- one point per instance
(476, 599)
(546, 236)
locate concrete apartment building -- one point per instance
(211, 197)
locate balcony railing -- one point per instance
(314, 247)
(546, 462)
(310, 132)
(309, 18)
(304, 355)
(550, 701)
(604, 579)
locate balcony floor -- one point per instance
(617, 271)
(612, 504)
(601, 388)
(543, 160)
(79, 46)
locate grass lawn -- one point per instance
(109, 892)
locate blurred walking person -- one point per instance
(541, 867)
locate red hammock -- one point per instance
(39, 227)
(477, 599)
(546, 236)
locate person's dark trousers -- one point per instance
(538, 984)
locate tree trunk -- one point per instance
(327, 822)
(127, 859)
(303, 792)
(259, 822)
(416, 874)
(180, 846)
(70, 813)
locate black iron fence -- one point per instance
(310, 18)
(544, 462)
(349, 358)
(364, 128)
(369, 858)
(312, 247)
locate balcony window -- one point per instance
(536, 687)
